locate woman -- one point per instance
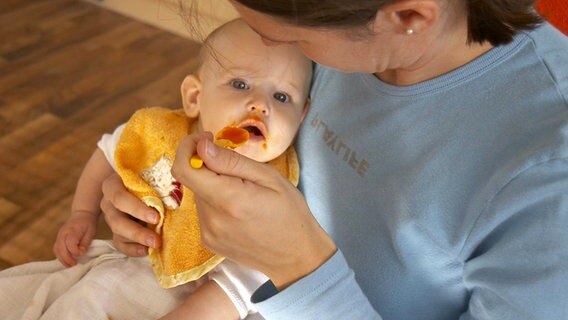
(435, 160)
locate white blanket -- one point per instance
(105, 284)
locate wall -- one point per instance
(165, 13)
(556, 12)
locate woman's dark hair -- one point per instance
(494, 21)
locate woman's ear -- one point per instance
(190, 90)
(408, 17)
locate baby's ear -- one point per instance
(190, 90)
(306, 109)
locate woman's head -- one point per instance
(493, 21)
(401, 41)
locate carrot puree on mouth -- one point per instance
(231, 137)
(228, 137)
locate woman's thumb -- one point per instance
(230, 163)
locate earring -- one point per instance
(409, 32)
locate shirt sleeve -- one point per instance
(517, 254)
(238, 283)
(330, 292)
(108, 143)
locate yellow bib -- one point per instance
(143, 159)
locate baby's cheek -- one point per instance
(278, 146)
(211, 126)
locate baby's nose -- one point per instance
(259, 108)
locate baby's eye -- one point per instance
(282, 97)
(239, 84)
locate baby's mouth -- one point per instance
(256, 128)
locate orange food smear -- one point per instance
(232, 137)
(228, 137)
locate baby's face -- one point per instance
(258, 88)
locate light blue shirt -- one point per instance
(447, 199)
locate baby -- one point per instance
(240, 83)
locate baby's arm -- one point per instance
(76, 234)
(208, 301)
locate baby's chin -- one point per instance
(258, 153)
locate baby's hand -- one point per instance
(74, 237)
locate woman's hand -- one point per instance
(125, 214)
(249, 213)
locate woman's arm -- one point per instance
(249, 213)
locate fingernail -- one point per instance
(211, 149)
(152, 218)
(141, 251)
(150, 242)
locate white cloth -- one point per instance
(108, 143)
(239, 283)
(105, 284)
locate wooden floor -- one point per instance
(69, 71)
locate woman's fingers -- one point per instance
(221, 165)
(127, 228)
(122, 200)
(123, 213)
(230, 163)
(128, 247)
